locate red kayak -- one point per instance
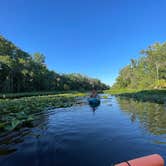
(152, 160)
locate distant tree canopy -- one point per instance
(148, 71)
(21, 72)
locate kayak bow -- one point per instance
(152, 160)
(94, 101)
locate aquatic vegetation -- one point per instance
(30, 94)
(105, 96)
(121, 91)
(19, 112)
(156, 96)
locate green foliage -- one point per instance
(21, 72)
(18, 112)
(148, 71)
(105, 96)
(30, 94)
(155, 96)
(120, 91)
(161, 83)
(39, 58)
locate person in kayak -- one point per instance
(94, 94)
(94, 100)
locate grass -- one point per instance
(18, 112)
(156, 96)
(121, 91)
(29, 94)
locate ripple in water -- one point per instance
(81, 135)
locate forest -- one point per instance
(147, 72)
(22, 72)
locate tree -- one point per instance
(148, 71)
(39, 58)
(21, 72)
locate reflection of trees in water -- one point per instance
(151, 116)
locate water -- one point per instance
(118, 130)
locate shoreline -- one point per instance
(156, 96)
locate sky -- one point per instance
(92, 37)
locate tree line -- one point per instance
(22, 72)
(149, 71)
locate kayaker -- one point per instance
(94, 94)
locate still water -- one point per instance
(118, 130)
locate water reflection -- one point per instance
(151, 116)
(72, 136)
(94, 106)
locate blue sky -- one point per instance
(92, 37)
